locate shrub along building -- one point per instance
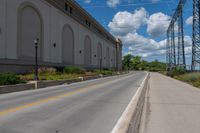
(67, 34)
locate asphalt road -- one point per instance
(87, 107)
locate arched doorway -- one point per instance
(99, 55)
(87, 52)
(68, 45)
(30, 28)
(107, 57)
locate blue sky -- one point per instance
(140, 24)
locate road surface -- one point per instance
(87, 107)
(172, 107)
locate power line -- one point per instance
(126, 5)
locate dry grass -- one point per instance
(191, 78)
(47, 76)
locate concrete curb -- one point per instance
(145, 112)
(43, 84)
(16, 88)
(126, 123)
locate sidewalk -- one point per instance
(172, 107)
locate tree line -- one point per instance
(131, 62)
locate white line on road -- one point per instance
(124, 121)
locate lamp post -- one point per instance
(36, 41)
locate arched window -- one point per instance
(87, 51)
(68, 45)
(30, 27)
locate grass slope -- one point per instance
(191, 78)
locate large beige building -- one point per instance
(67, 34)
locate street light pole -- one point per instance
(36, 41)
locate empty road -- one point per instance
(86, 107)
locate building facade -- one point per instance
(67, 35)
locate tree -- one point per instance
(144, 65)
(127, 62)
(136, 62)
(157, 66)
(131, 62)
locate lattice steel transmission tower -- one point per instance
(168, 63)
(173, 49)
(196, 35)
(181, 45)
(172, 62)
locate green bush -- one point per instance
(49, 76)
(73, 70)
(153, 69)
(60, 76)
(10, 79)
(197, 83)
(176, 72)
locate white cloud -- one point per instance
(113, 3)
(188, 41)
(157, 24)
(125, 25)
(144, 47)
(127, 22)
(188, 45)
(88, 1)
(189, 21)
